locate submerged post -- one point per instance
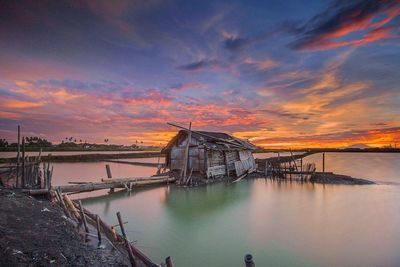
(109, 176)
(168, 262)
(323, 162)
(248, 260)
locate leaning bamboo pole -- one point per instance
(113, 236)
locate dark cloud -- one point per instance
(343, 18)
(235, 43)
(285, 114)
(201, 64)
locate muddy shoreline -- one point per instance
(37, 233)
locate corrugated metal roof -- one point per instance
(214, 140)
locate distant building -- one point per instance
(211, 154)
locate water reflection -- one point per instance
(282, 223)
(193, 204)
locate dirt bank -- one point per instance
(36, 233)
(332, 178)
(90, 157)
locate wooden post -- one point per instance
(128, 246)
(168, 262)
(83, 216)
(185, 161)
(226, 163)
(301, 163)
(17, 181)
(98, 229)
(248, 260)
(323, 162)
(109, 176)
(23, 163)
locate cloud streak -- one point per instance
(342, 19)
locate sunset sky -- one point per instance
(279, 73)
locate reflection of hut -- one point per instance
(210, 154)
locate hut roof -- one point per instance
(214, 140)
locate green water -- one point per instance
(280, 223)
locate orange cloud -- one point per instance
(19, 104)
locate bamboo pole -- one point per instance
(121, 226)
(323, 162)
(83, 217)
(98, 229)
(71, 207)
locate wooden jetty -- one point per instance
(287, 167)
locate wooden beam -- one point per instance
(135, 179)
(185, 160)
(110, 184)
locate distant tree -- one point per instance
(80, 140)
(106, 140)
(3, 143)
(141, 142)
(74, 140)
(34, 141)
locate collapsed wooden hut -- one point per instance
(210, 154)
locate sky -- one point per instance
(282, 74)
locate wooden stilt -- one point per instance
(323, 162)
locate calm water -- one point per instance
(281, 224)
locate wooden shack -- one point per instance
(211, 154)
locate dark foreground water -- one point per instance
(280, 223)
